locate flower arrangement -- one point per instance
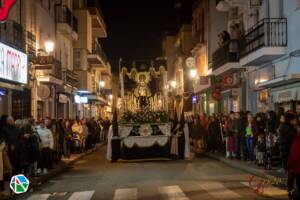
(145, 116)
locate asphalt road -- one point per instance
(201, 179)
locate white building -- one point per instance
(268, 54)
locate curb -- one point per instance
(242, 167)
(62, 167)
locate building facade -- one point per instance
(91, 62)
(46, 35)
(206, 22)
(268, 53)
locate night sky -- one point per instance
(136, 28)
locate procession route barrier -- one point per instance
(260, 185)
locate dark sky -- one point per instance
(136, 28)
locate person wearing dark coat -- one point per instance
(30, 149)
(12, 138)
(239, 131)
(294, 167)
(197, 135)
(286, 134)
(214, 133)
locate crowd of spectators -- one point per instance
(265, 139)
(33, 147)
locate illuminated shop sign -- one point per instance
(79, 99)
(13, 65)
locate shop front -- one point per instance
(15, 94)
(231, 100)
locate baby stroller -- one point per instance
(76, 143)
(272, 152)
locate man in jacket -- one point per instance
(238, 128)
(294, 166)
(286, 135)
(47, 145)
(12, 136)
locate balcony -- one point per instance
(224, 61)
(30, 45)
(70, 78)
(99, 26)
(48, 69)
(98, 57)
(264, 42)
(12, 34)
(67, 23)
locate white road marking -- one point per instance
(126, 194)
(85, 195)
(59, 194)
(218, 190)
(172, 193)
(39, 197)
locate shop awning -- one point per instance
(291, 78)
(285, 95)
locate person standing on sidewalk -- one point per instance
(286, 134)
(47, 144)
(239, 131)
(12, 136)
(251, 131)
(67, 138)
(214, 133)
(294, 167)
(230, 140)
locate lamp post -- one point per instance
(173, 84)
(194, 77)
(49, 46)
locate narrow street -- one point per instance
(95, 178)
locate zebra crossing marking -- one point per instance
(39, 197)
(85, 195)
(216, 190)
(219, 191)
(126, 194)
(173, 192)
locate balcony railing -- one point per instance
(269, 32)
(12, 34)
(99, 51)
(49, 65)
(70, 77)
(223, 55)
(30, 44)
(64, 15)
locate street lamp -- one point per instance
(193, 73)
(102, 84)
(49, 46)
(111, 97)
(173, 84)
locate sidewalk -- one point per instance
(248, 167)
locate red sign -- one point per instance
(227, 80)
(5, 6)
(216, 94)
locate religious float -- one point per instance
(144, 128)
